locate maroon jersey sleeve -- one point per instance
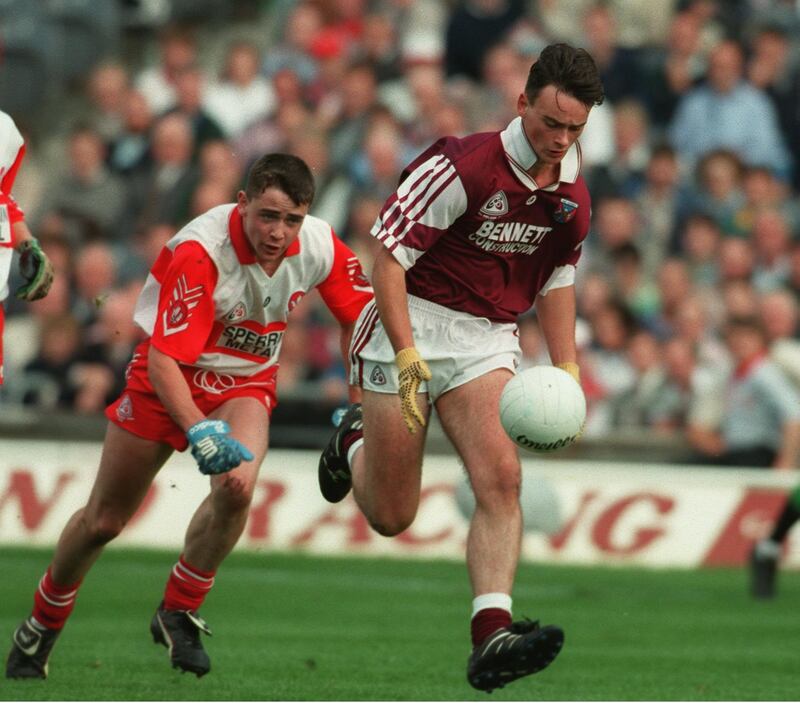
(186, 309)
(346, 290)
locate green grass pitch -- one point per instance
(296, 627)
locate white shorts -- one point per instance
(457, 347)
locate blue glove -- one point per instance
(215, 451)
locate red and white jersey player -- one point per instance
(209, 304)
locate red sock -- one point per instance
(53, 603)
(187, 586)
(486, 621)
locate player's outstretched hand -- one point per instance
(215, 451)
(412, 371)
(36, 269)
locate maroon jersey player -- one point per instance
(480, 229)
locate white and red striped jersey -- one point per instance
(208, 303)
(12, 151)
(474, 231)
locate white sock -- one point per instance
(352, 451)
(767, 549)
(491, 600)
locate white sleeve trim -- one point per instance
(561, 277)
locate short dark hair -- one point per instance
(571, 70)
(287, 172)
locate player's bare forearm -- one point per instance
(790, 447)
(389, 284)
(21, 233)
(556, 312)
(172, 389)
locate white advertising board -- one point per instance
(596, 513)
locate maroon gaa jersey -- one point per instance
(474, 231)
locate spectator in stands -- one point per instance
(700, 243)
(347, 127)
(242, 96)
(631, 285)
(177, 51)
(624, 174)
(130, 151)
(727, 112)
(719, 195)
(700, 392)
(293, 51)
(779, 312)
(379, 47)
(763, 191)
(47, 378)
(374, 169)
(739, 298)
(95, 275)
(736, 260)
(615, 222)
(474, 26)
(334, 189)
(163, 192)
(619, 68)
(670, 72)
(774, 68)
(608, 363)
(771, 246)
(108, 85)
(89, 198)
(272, 134)
(189, 87)
(663, 205)
(760, 424)
(650, 403)
(219, 164)
(674, 285)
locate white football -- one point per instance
(542, 409)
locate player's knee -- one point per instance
(391, 523)
(500, 487)
(103, 527)
(233, 494)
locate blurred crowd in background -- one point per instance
(693, 162)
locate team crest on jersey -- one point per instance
(377, 376)
(566, 211)
(125, 409)
(496, 206)
(184, 299)
(294, 299)
(238, 313)
(357, 276)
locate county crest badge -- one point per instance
(566, 211)
(496, 206)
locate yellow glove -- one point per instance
(572, 369)
(413, 370)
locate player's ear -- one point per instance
(522, 104)
(241, 202)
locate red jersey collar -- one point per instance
(746, 367)
(241, 245)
